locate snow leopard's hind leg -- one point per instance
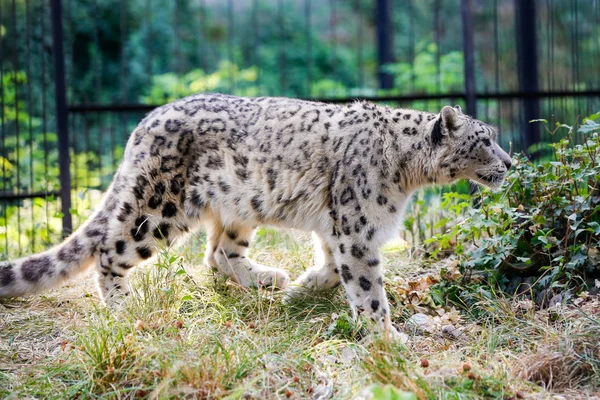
(133, 237)
(227, 252)
(152, 216)
(324, 275)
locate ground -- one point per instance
(186, 332)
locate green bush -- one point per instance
(545, 221)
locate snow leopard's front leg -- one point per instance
(361, 274)
(359, 261)
(324, 275)
(227, 252)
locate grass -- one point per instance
(187, 333)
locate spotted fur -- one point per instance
(343, 172)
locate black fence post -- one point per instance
(528, 69)
(62, 125)
(466, 12)
(383, 25)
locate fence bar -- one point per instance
(528, 68)
(62, 125)
(8, 196)
(383, 25)
(126, 108)
(469, 58)
(15, 62)
(308, 55)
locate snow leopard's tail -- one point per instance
(54, 266)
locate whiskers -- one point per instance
(490, 176)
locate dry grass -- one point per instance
(186, 333)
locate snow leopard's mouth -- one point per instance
(492, 180)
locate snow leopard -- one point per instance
(343, 172)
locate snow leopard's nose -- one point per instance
(506, 160)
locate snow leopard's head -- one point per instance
(468, 149)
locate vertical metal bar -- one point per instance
(30, 114)
(149, 38)
(100, 132)
(383, 25)
(203, 47)
(574, 51)
(230, 39)
(70, 74)
(469, 56)
(548, 61)
(519, 139)
(98, 98)
(333, 35)
(438, 47)
(497, 68)
(308, 21)
(75, 160)
(112, 142)
(574, 66)
(61, 115)
(44, 115)
(3, 135)
(178, 54)
(122, 73)
(88, 164)
(123, 55)
(359, 45)
(496, 50)
(528, 68)
(97, 56)
(597, 41)
(255, 42)
(281, 48)
(486, 104)
(15, 62)
(551, 56)
(411, 43)
(466, 12)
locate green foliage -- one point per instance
(422, 74)
(30, 153)
(545, 222)
(170, 86)
(389, 392)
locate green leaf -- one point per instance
(390, 393)
(572, 217)
(592, 117)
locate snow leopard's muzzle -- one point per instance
(491, 165)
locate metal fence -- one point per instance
(76, 76)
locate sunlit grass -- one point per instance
(186, 332)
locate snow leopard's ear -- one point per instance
(445, 125)
(458, 109)
(449, 117)
(450, 120)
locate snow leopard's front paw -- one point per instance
(313, 280)
(251, 274)
(112, 290)
(115, 298)
(271, 277)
